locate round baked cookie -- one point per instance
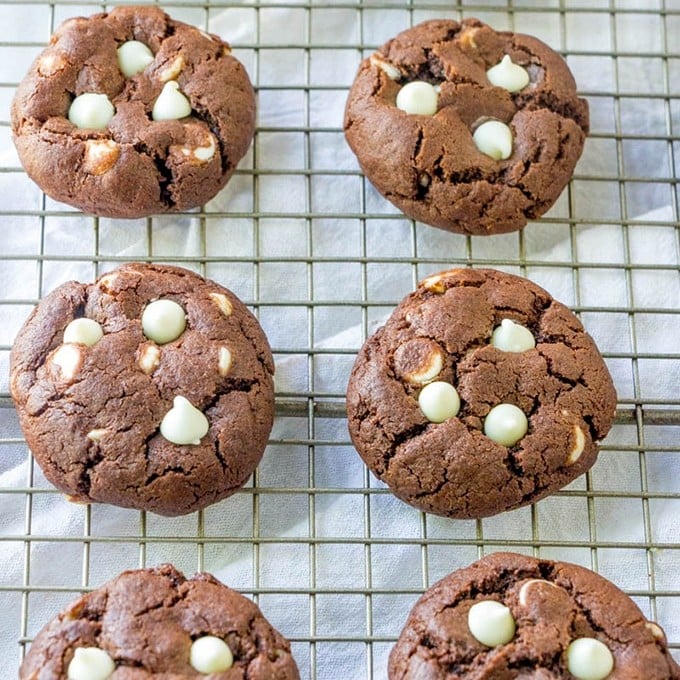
(131, 113)
(151, 388)
(511, 616)
(155, 623)
(480, 394)
(466, 128)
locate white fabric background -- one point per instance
(340, 573)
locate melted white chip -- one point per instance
(439, 401)
(505, 424)
(90, 663)
(224, 361)
(98, 434)
(83, 332)
(508, 75)
(133, 57)
(205, 153)
(390, 70)
(494, 139)
(108, 281)
(531, 584)
(100, 156)
(655, 630)
(163, 321)
(579, 445)
(435, 283)
(171, 71)
(512, 337)
(149, 358)
(419, 98)
(210, 654)
(171, 103)
(91, 111)
(68, 358)
(428, 370)
(222, 301)
(589, 659)
(49, 64)
(184, 423)
(491, 623)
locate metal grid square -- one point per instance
(313, 534)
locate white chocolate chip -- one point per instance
(434, 283)
(173, 69)
(224, 361)
(149, 358)
(133, 57)
(91, 111)
(205, 153)
(427, 371)
(439, 401)
(589, 659)
(171, 103)
(69, 359)
(505, 424)
(184, 423)
(210, 654)
(222, 301)
(655, 630)
(90, 663)
(390, 70)
(49, 64)
(83, 332)
(512, 337)
(530, 584)
(494, 138)
(579, 445)
(100, 156)
(508, 75)
(418, 98)
(163, 321)
(98, 434)
(491, 623)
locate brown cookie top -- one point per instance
(428, 164)
(153, 623)
(506, 425)
(552, 606)
(178, 128)
(151, 388)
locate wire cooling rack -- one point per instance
(331, 557)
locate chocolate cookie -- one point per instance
(155, 623)
(130, 113)
(151, 388)
(466, 128)
(480, 394)
(511, 616)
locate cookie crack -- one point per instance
(544, 99)
(178, 469)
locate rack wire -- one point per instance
(330, 556)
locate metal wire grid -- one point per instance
(337, 582)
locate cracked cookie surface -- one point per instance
(552, 604)
(146, 621)
(134, 166)
(442, 333)
(92, 414)
(429, 165)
